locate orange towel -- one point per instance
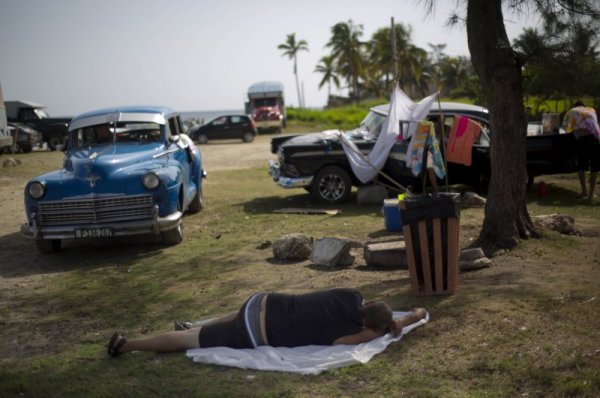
(463, 134)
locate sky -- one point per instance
(191, 55)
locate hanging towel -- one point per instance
(463, 134)
(310, 359)
(423, 137)
(402, 108)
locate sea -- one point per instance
(207, 116)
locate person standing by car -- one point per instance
(582, 121)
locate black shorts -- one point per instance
(235, 333)
(588, 153)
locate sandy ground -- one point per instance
(230, 154)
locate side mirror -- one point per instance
(174, 139)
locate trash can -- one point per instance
(431, 227)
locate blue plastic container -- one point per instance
(391, 215)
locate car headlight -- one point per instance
(150, 180)
(36, 190)
(280, 156)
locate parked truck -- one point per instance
(266, 105)
(53, 130)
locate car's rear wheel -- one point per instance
(332, 184)
(202, 139)
(47, 246)
(248, 137)
(56, 141)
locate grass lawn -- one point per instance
(527, 326)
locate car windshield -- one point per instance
(126, 132)
(369, 128)
(265, 102)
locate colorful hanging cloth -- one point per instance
(424, 137)
(462, 135)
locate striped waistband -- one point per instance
(252, 319)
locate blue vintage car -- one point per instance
(127, 171)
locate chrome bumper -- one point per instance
(155, 226)
(287, 182)
(267, 124)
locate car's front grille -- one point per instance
(97, 210)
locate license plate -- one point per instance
(94, 232)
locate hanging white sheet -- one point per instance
(402, 108)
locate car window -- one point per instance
(265, 102)
(126, 132)
(236, 120)
(220, 121)
(180, 126)
(173, 126)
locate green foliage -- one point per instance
(344, 118)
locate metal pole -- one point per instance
(394, 52)
(443, 135)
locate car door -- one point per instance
(218, 128)
(181, 158)
(239, 125)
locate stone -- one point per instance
(561, 223)
(332, 252)
(11, 162)
(473, 265)
(471, 254)
(386, 254)
(371, 195)
(293, 247)
(471, 199)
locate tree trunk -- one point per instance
(297, 84)
(506, 217)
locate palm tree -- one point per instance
(380, 50)
(326, 66)
(347, 50)
(291, 49)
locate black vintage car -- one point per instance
(225, 127)
(318, 163)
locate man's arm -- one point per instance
(415, 316)
(361, 337)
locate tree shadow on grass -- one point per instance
(21, 257)
(558, 196)
(267, 204)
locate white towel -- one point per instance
(312, 359)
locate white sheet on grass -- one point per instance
(310, 359)
(402, 108)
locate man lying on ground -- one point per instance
(331, 317)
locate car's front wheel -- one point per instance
(197, 203)
(202, 139)
(332, 184)
(173, 236)
(47, 246)
(248, 137)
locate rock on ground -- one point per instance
(561, 223)
(293, 247)
(332, 252)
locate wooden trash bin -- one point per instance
(431, 228)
